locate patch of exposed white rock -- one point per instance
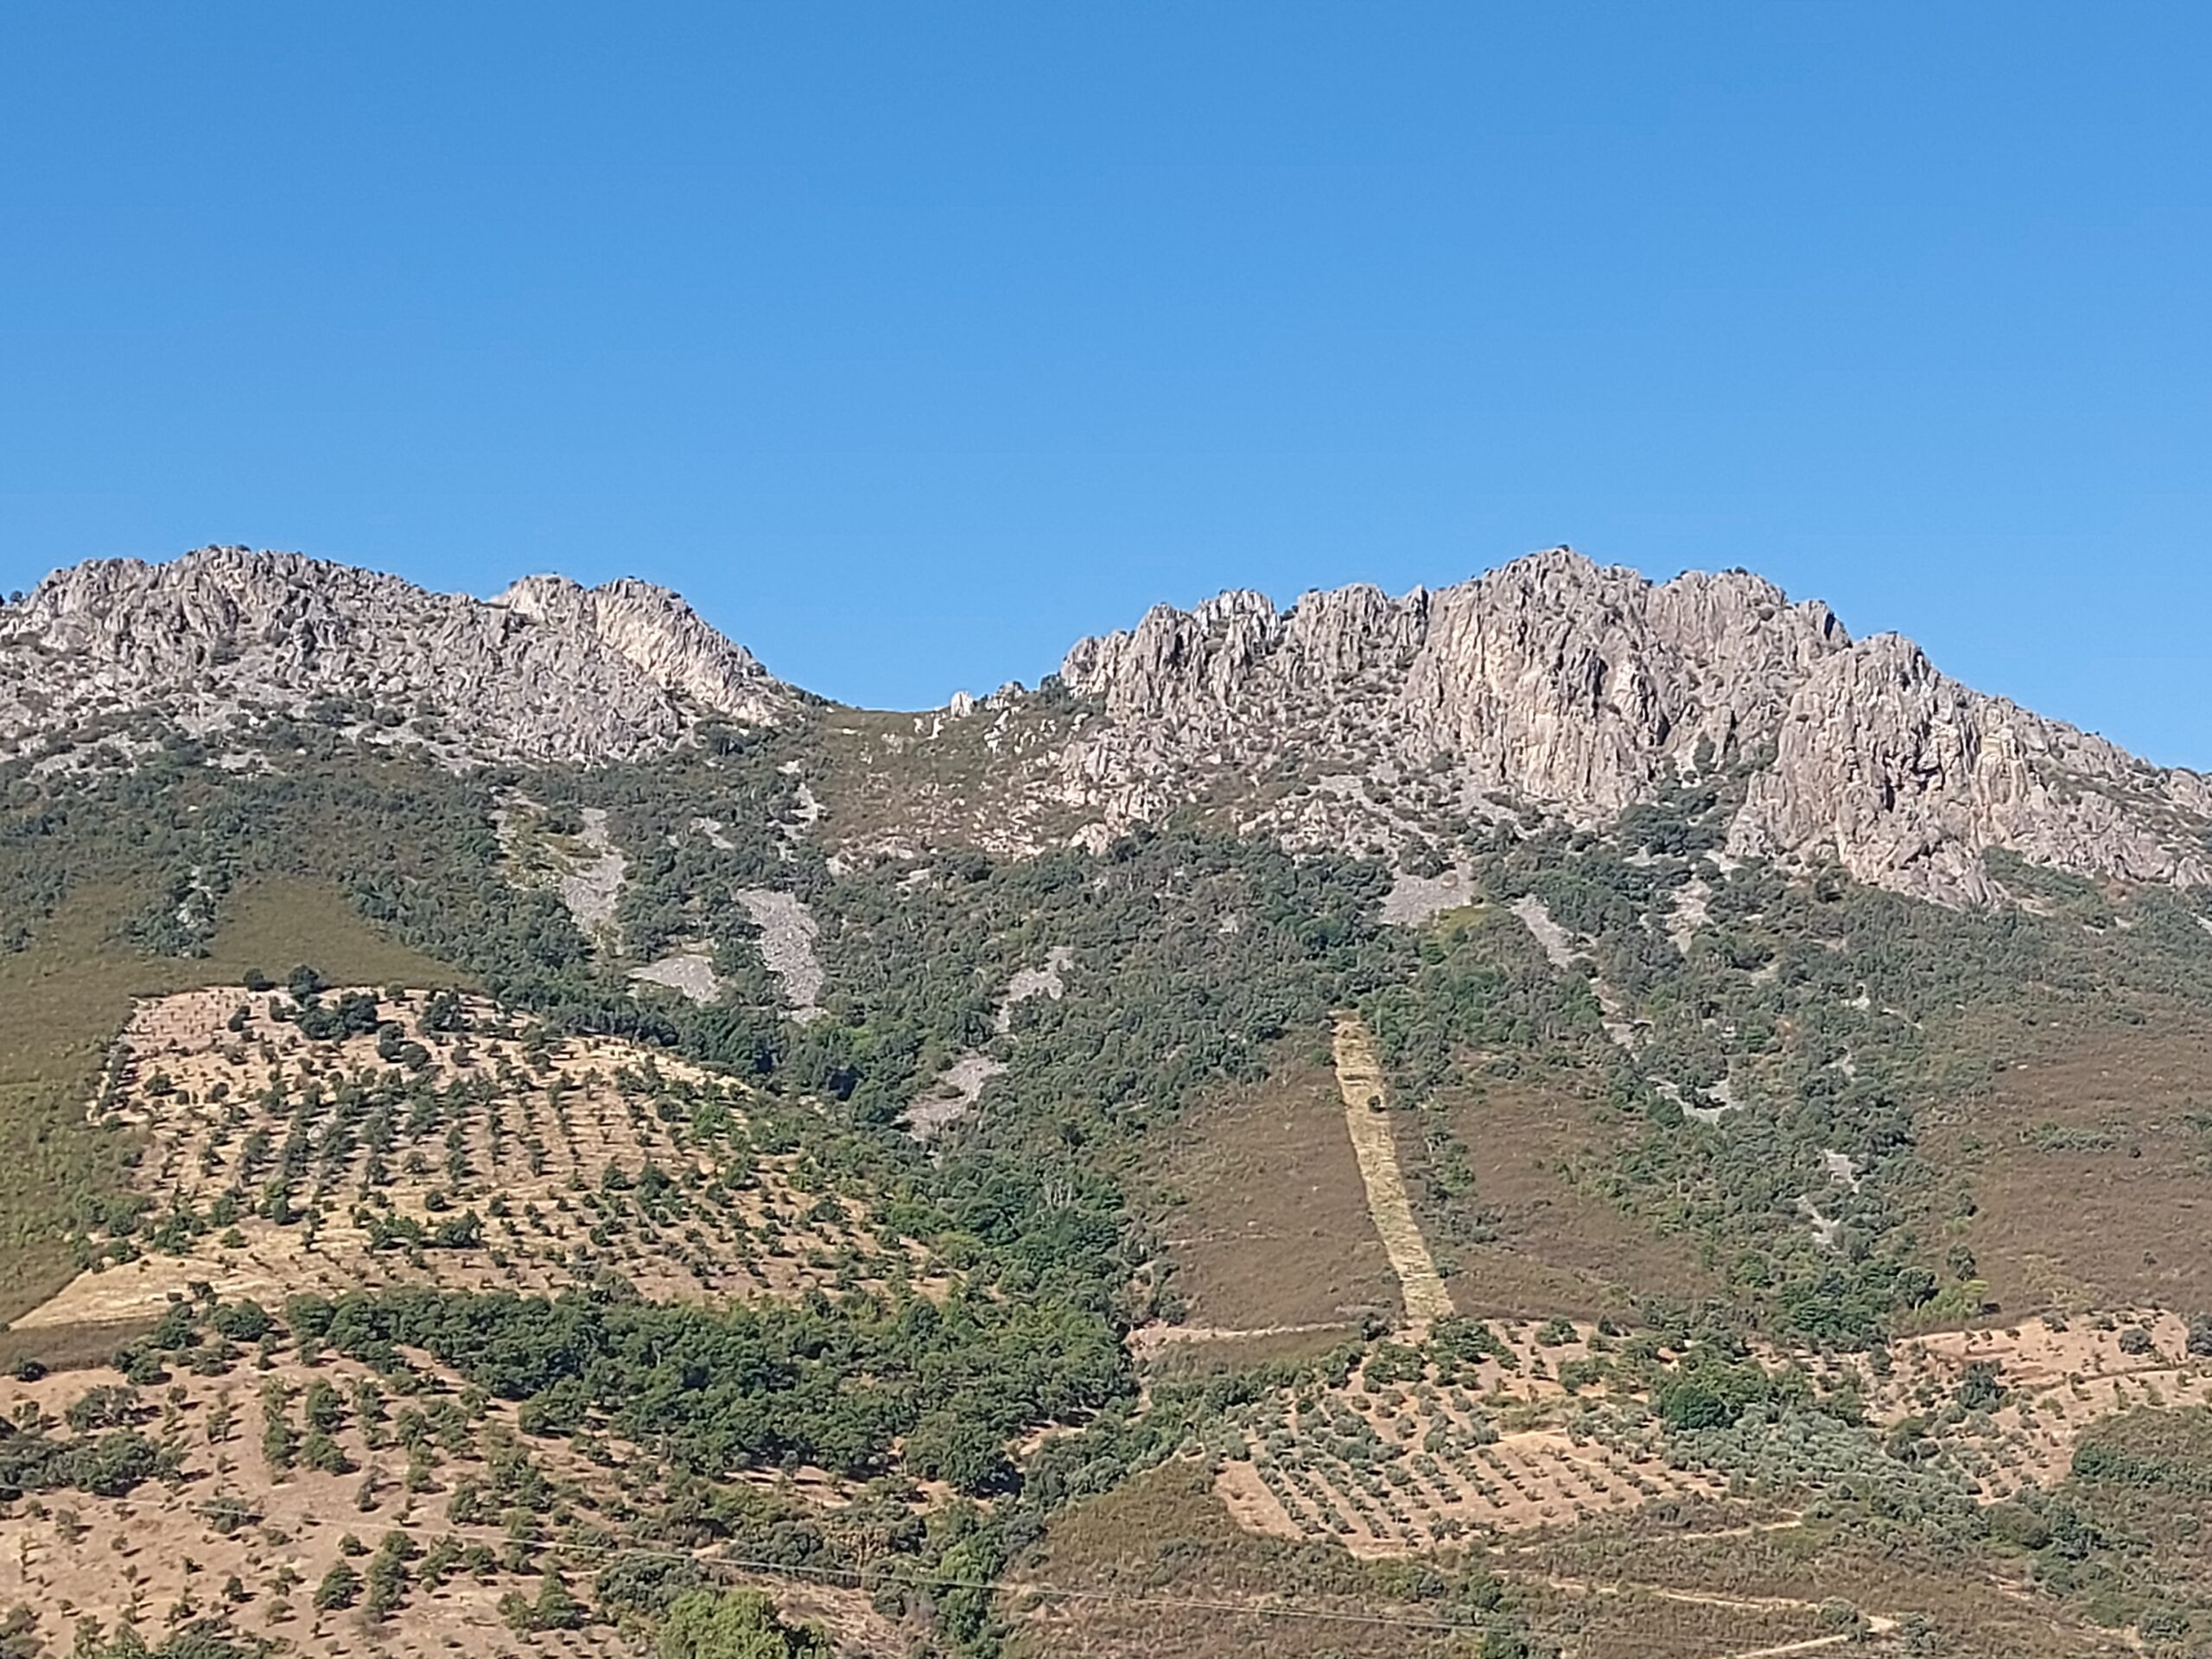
(954, 1090)
(688, 970)
(1571, 954)
(788, 931)
(591, 877)
(1025, 982)
(1413, 900)
(587, 870)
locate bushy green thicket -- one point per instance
(106, 1465)
(838, 1384)
(734, 1624)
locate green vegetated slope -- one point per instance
(1818, 1121)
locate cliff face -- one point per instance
(1553, 682)
(547, 671)
(1906, 777)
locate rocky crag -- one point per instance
(547, 671)
(1552, 688)
(1558, 684)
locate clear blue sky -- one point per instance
(912, 341)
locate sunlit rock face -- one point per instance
(547, 671)
(1575, 690)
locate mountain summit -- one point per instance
(1579, 689)
(1551, 686)
(548, 671)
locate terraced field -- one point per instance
(1415, 1451)
(297, 1475)
(372, 1137)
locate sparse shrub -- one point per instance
(341, 1587)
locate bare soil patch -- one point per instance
(2058, 1382)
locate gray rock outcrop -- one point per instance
(1355, 718)
(1906, 777)
(1551, 686)
(548, 671)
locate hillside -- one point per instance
(1562, 1114)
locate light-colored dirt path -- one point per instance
(1360, 1080)
(1810, 1644)
(1687, 1597)
(1151, 1338)
(1751, 1530)
(1877, 1623)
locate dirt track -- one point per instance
(1361, 1081)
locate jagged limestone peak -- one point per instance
(548, 671)
(1577, 689)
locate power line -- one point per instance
(854, 1577)
(859, 1579)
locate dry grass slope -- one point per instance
(1265, 1215)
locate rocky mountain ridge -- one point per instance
(1580, 690)
(547, 671)
(1551, 686)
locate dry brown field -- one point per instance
(1559, 1249)
(1157, 1568)
(1265, 1215)
(2090, 1165)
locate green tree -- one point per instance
(557, 1609)
(735, 1625)
(340, 1587)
